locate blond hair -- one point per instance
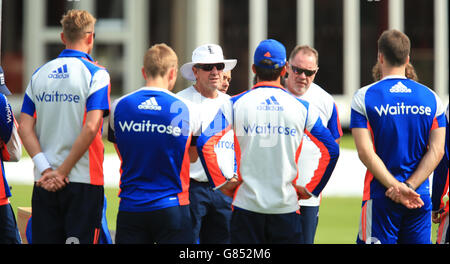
(76, 23)
(159, 59)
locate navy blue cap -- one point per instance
(272, 50)
(3, 89)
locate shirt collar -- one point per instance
(270, 84)
(394, 77)
(75, 53)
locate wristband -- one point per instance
(409, 186)
(41, 162)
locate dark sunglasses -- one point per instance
(210, 67)
(299, 71)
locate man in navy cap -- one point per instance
(10, 150)
(268, 124)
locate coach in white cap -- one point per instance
(210, 210)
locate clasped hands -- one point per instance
(52, 180)
(401, 193)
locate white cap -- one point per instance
(206, 54)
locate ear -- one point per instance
(173, 74)
(380, 58)
(90, 39)
(143, 73)
(172, 78)
(407, 60)
(253, 68)
(63, 39)
(283, 71)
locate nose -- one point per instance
(214, 70)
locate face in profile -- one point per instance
(226, 79)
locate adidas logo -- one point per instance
(270, 104)
(60, 73)
(150, 104)
(400, 88)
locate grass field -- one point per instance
(338, 218)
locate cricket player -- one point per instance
(440, 189)
(268, 124)
(152, 130)
(11, 150)
(399, 130)
(302, 68)
(61, 129)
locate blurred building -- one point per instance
(343, 31)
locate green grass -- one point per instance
(347, 142)
(338, 217)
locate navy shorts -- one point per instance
(386, 222)
(170, 225)
(254, 228)
(9, 234)
(210, 212)
(72, 215)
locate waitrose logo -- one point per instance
(402, 109)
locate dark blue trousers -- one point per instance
(210, 212)
(254, 228)
(170, 225)
(9, 234)
(309, 218)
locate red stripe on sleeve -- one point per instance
(323, 163)
(211, 158)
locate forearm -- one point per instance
(378, 169)
(430, 160)
(370, 159)
(28, 135)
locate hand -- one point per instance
(436, 216)
(230, 187)
(404, 195)
(52, 180)
(302, 193)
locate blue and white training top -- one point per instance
(10, 145)
(59, 95)
(400, 114)
(268, 125)
(152, 129)
(224, 149)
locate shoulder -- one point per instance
(187, 92)
(93, 67)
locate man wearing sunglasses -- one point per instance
(302, 69)
(269, 124)
(210, 210)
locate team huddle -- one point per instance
(201, 166)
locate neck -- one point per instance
(157, 82)
(205, 92)
(79, 47)
(388, 70)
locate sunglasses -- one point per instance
(210, 67)
(299, 71)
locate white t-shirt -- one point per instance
(225, 147)
(59, 95)
(310, 154)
